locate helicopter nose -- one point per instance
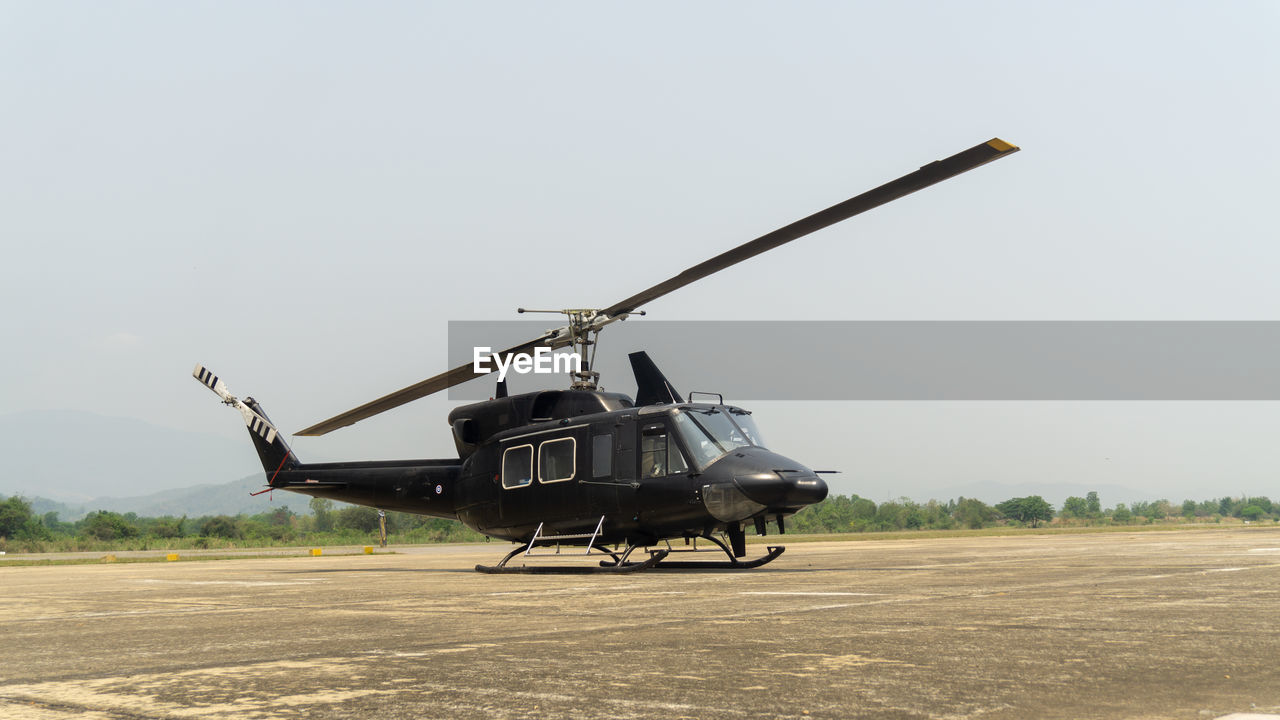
(806, 490)
(783, 488)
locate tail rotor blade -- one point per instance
(212, 382)
(256, 422)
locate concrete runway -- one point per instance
(1137, 625)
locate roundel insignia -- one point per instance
(439, 489)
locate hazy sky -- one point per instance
(302, 195)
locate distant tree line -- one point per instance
(844, 514)
(21, 529)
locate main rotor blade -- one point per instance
(443, 381)
(930, 174)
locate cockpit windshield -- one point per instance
(744, 421)
(711, 432)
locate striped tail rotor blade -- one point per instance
(257, 424)
(211, 381)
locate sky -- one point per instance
(302, 196)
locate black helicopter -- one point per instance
(587, 468)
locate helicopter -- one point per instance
(585, 468)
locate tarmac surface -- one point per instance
(1116, 625)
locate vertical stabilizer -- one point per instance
(274, 453)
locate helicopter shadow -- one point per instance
(339, 571)
(666, 572)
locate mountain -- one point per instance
(222, 499)
(73, 456)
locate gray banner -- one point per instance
(857, 360)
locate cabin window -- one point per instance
(556, 460)
(602, 455)
(659, 455)
(517, 466)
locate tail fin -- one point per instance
(267, 440)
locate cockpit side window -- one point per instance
(659, 454)
(704, 448)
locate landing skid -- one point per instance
(619, 562)
(664, 553)
(551, 546)
(732, 564)
(605, 567)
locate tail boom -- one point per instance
(425, 487)
(417, 486)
